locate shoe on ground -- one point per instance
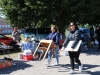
(81, 67)
(47, 64)
(56, 64)
(71, 72)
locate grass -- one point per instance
(13, 54)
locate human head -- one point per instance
(15, 28)
(97, 27)
(73, 26)
(54, 28)
(27, 39)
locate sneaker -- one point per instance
(71, 72)
(47, 64)
(81, 67)
(56, 64)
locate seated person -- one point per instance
(27, 45)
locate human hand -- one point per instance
(16, 32)
(55, 45)
(62, 49)
(71, 49)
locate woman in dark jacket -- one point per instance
(54, 35)
(74, 35)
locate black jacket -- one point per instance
(72, 36)
(98, 33)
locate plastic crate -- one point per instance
(27, 57)
(5, 64)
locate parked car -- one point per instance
(37, 33)
(4, 39)
(85, 31)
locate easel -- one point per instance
(45, 46)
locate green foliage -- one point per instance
(42, 13)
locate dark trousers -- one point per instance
(98, 39)
(74, 57)
(14, 45)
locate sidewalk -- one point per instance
(90, 61)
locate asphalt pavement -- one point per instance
(89, 59)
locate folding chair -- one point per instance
(45, 46)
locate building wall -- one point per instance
(6, 29)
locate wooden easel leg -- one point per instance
(45, 54)
(41, 54)
(36, 49)
(47, 51)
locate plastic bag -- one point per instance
(64, 53)
(96, 42)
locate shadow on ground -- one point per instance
(86, 69)
(8, 51)
(91, 51)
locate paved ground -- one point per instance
(90, 60)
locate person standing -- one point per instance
(74, 35)
(16, 35)
(92, 34)
(54, 35)
(16, 39)
(97, 31)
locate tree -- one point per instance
(42, 13)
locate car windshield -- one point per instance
(84, 30)
(44, 31)
(30, 31)
(2, 36)
(40, 30)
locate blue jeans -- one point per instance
(56, 55)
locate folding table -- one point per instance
(5, 48)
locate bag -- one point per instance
(64, 53)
